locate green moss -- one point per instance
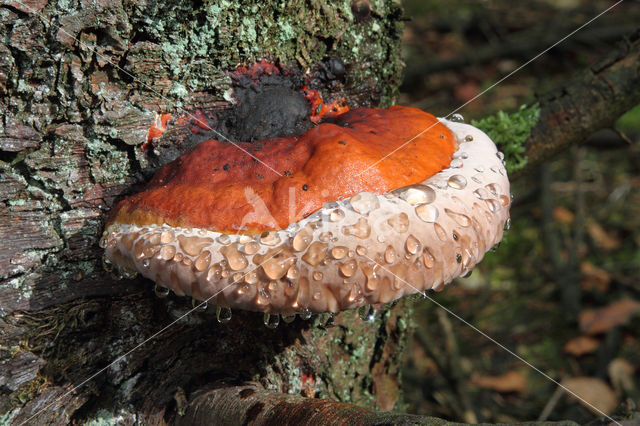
(630, 121)
(509, 132)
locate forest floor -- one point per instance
(563, 289)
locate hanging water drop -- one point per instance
(305, 314)
(271, 320)
(223, 314)
(161, 291)
(198, 305)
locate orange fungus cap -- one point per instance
(216, 185)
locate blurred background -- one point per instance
(563, 289)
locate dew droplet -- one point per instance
(275, 262)
(269, 238)
(302, 239)
(167, 252)
(251, 277)
(468, 138)
(458, 258)
(427, 212)
(481, 193)
(193, 245)
(348, 268)
(493, 188)
(458, 118)
(236, 260)
(198, 305)
(428, 259)
(304, 314)
(456, 163)
(361, 250)
(492, 204)
(271, 320)
(412, 245)
(440, 232)
(223, 314)
(389, 255)
(293, 273)
(161, 291)
(369, 270)
(145, 263)
(507, 224)
(167, 237)
(364, 203)
(251, 248)
(457, 182)
(399, 222)
(461, 219)
(315, 254)
(500, 155)
(214, 273)
(325, 237)
(202, 262)
(467, 274)
(336, 215)
(360, 229)
(317, 276)
(416, 194)
(224, 239)
(339, 252)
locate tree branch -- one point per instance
(592, 100)
(250, 404)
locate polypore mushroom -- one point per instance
(343, 224)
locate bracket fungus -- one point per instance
(320, 222)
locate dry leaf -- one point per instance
(606, 241)
(508, 382)
(595, 321)
(581, 345)
(593, 393)
(621, 374)
(562, 215)
(594, 278)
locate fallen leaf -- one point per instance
(593, 393)
(595, 321)
(606, 241)
(511, 381)
(621, 375)
(563, 215)
(594, 278)
(581, 345)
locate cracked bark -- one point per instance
(70, 145)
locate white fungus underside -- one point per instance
(363, 250)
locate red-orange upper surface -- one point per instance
(218, 186)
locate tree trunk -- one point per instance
(80, 85)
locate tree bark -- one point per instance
(80, 84)
(591, 100)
